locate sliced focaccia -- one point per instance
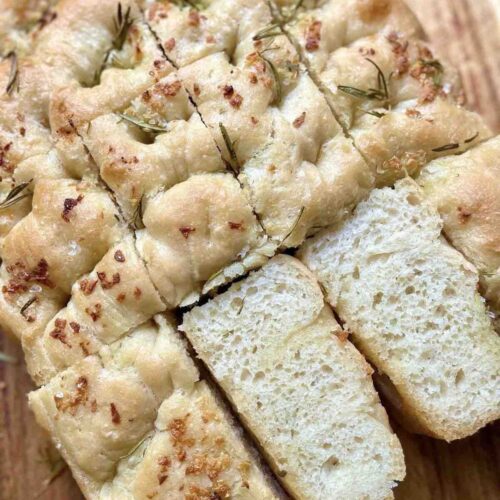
(298, 384)
(134, 421)
(194, 453)
(466, 192)
(412, 305)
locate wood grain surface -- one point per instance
(467, 33)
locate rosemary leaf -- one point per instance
(381, 93)
(378, 114)
(272, 30)
(470, 139)
(362, 94)
(25, 307)
(381, 81)
(145, 126)
(294, 226)
(446, 147)
(12, 83)
(122, 23)
(13, 197)
(278, 91)
(234, 164)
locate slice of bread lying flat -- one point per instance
(411, 303)
(298, 384)
(135, 422)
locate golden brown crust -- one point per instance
(402, 142)
(114, 298)
(194, 230)
(466, 191)
(322, 30)
(71, 227)
(135, 422)
(411, 72)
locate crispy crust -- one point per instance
(466, 191)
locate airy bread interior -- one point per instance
(300, 387)
(412, 305)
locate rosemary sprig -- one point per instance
(233, 163)
(381, 81)
(294, 226)
(13, 82)
(278, 91)
(455, 145)
(381, 93)
(271, 31)
(274, 30)
(6, 358)
(13, 197)
(122, 23)
(145, 126)
(25, 307)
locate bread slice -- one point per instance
(466, 191)
(300, 387)
(218, 464)
(134, 421)
(411, 303)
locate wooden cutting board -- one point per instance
(467, 32)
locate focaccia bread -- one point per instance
(444, 357)
(135, 421)
(298, 384)
(466, 191)
(153, 152)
